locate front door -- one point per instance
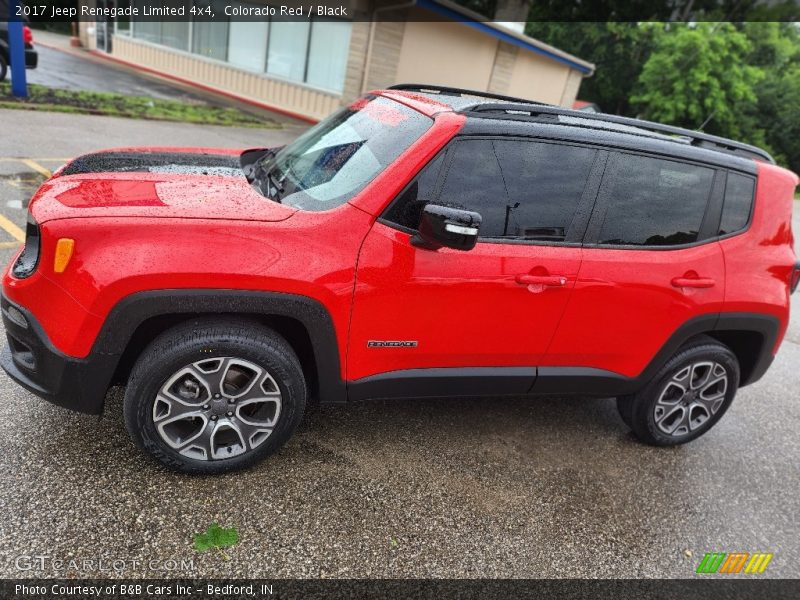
(103, 28)
(491, 311)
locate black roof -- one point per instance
(485, 105)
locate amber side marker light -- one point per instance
(64, 248)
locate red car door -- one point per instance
(646, 271)
(489, 311)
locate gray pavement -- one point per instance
(62, 70)
(548, 487)
(56, 136)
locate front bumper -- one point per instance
(31, 58)
(32, 361)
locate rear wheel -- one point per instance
(687, 396)
(3, 68)
(209, 397)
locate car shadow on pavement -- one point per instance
(484, 431)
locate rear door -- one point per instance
(651, 264)
(498, 304)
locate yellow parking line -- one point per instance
(14, 244)
(35, 166)
(10, 159)
(11, 228)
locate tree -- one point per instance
(775, 48)
(698, 76)
(617, 49)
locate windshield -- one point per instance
(334, 160)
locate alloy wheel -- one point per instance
(691, 397)
(217, 408)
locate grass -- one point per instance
(134, 107)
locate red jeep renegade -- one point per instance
(419, 242)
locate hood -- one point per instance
(154, 183)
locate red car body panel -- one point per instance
(620, 289)
(160, 232)
(760, 262)
(448, 301)
(144, 195)
(160, 222)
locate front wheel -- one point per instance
(214, 396)
(686, 398)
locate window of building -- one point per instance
(655, 202)
(247, 42)
(149, 31)
(210, 38)
(288, 49)
(122, 24)
(175, 34)
(738, 203)
(312, 52)
(327, 54)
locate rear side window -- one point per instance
(738, 203)
(655, 202)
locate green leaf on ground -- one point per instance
(216, 537)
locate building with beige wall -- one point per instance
(308, 68)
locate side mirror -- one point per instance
(449, 227)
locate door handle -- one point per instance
(693, 282)
(546, 280)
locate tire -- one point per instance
(624, 407)
(215, 395)
(3, 68)
(687, 396)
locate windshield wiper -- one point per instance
(251, 160)
(261, 176)
(276, 185)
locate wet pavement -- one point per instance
(58, 69)
(548, 487)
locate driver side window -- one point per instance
(407, 209)
(523, 190)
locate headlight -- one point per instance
(27, 261)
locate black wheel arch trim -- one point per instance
(81, 383)
(130, 312)
(585, 380)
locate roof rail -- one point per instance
(452, 91)
(695, 138)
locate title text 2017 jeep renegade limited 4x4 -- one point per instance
(419, 242)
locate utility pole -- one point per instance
(16, 47)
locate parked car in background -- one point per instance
(31, 56)
(586, 106)
(421, 241)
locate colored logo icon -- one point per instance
(734, 562)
